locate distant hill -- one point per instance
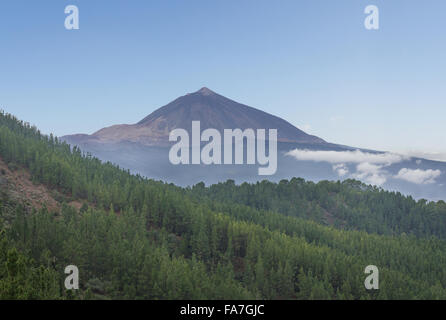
(206, 106)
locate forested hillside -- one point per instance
(348, 205)
(135, 238)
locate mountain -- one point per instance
(144, 148)
(211, 109)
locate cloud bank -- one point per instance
(356, 156)
(435, 156)
(370, 167)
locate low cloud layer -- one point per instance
(435, 156)
(356, 156)
(369, 167)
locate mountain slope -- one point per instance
(206, 106)
(141, 239)
(144, 149)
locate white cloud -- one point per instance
(433, 155)
(373, 179)
(418, 176)
(370, 173)
(341, 169)
(369, 166)
(338, 157)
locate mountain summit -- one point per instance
(211, 109)
(205, 91)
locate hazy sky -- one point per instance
(311, 62)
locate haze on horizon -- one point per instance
(310, 62)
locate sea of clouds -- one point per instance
(369, 167)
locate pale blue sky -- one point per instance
(311, 62)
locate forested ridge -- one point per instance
(348, 205)
(136, 238)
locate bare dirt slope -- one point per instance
(19, 187)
